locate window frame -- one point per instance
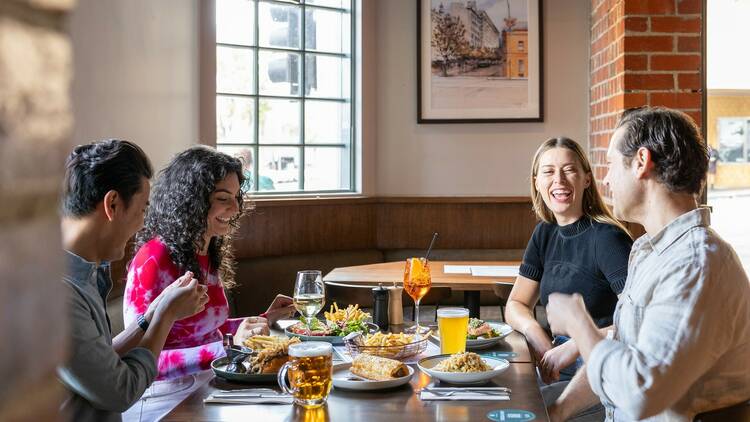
(210, 94)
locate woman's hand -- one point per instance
(251, 326)
(281, 307)
(556, 359)
(539, 342)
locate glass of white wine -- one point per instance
(309, 294)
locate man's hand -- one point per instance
(183, 298)
(563, 311)
(556, 359)
(251, 326)
(281, 307)
(184, 280)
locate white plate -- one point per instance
(341, 374)
(497, 365)
(484, 343)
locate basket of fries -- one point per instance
(389, 345)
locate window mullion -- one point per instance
(303, 81)
(256, 148)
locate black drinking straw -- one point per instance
(432, 243)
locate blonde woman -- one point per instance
(577, 247)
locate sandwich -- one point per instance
(377, 368)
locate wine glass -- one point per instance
(417, 282)
(309, 294)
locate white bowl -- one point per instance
(497, 365)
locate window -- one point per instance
(284, 92)
(734, 140)
(521, 68)
(521, 45)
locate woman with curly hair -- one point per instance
(194, 208)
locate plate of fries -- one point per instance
(389, 345)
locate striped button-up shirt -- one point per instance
(682, 328)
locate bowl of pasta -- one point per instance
(388, 345)
(462, 368)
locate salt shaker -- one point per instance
(395, 305)
(380, 307)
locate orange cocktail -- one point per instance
(417, 282)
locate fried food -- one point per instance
(272, 356)
(378, 368)
(463, 362)
(342, 316)
(392, 345)
(390, 339)
(259, 343)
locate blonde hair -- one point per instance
(593, 204)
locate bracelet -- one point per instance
(142, 322)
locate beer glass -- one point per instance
(310, 369)
(453, 325)
(417, 282)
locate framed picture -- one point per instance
(479, 61)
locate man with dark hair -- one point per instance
(681, 339)
(105, 195)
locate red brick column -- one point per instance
(643, 52)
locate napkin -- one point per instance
(463, 395)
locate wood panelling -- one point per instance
(295, 227)
(279, 227)
(469, 225)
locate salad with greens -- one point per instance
(479, 329)
(338, 322)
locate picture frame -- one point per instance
(479, 61)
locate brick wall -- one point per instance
(643, 52)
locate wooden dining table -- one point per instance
(393, 272)
(401, 403)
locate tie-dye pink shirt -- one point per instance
(195, 341)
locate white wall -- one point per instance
(473, 159)
(136, 77)
(136, 73)
(728, 32)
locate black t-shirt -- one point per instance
(585, 257)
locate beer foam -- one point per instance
(452, 312)
(310, 349)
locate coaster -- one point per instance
(500, 355)
(502, 415)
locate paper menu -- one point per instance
(494, 270)
(456, 269)
(483, 270)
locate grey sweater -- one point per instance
(102, 384)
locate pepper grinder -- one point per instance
(380, 307)
(395, 305)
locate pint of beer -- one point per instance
(453, 324)
(310, 368)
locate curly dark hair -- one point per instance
(677, 148)
(178, 210)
